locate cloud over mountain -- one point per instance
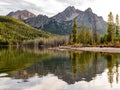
(48, 7)
(52, 7)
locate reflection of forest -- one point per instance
(89, 64)
(113, 61)
(86, 65)
(79, 66)
(69, 66)
(13, 59)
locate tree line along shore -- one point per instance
(91, 38)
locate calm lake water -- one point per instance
(41, 69)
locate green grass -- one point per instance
(13, 31)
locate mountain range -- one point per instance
(62, 22)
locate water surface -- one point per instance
(42, 69)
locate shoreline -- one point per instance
(90, 49)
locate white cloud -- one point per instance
(3, 3)
(52, 7)
(13, 5)
(103, 7)
(52, 82)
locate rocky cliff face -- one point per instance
(38, 21)
(21, 14)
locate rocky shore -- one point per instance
(93, 49)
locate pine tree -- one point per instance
(117, 25)
(70, 39)
(89, 36)
(82, 34)
(75, 31)
(110, 28)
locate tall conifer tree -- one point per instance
(75, 31)
(110, 28)
(117, 25)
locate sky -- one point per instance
(52, 82)
(52, 7)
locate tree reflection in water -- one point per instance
(112, 66)
(88, 65)
(70, 66)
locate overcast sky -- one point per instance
(52, 7)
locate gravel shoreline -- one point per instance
(93, 49)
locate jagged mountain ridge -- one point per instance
(61, 23)
(68, 14)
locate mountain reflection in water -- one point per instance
(35, 66)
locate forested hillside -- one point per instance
(13, 31)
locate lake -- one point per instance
(43, 69)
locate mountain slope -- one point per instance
(13, 30)
(61, 28)
(38, 21)
(21, 14)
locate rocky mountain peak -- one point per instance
(88, 10)
(70, 8)
(21, 14)
(67, 15)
